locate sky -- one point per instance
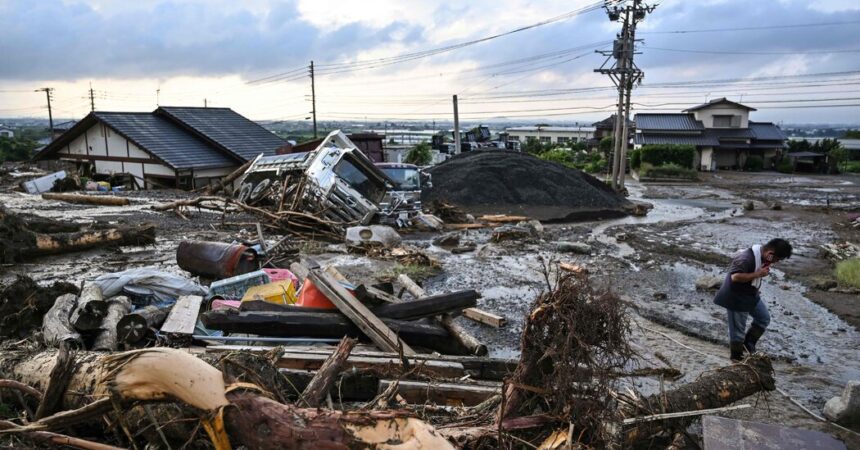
(795, 61)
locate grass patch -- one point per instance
(850, 167)
(418, 272)
(848, 272)
(668, 171)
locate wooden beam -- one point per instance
(450, 394)
(104, 200)
(484, 317)
(183, 316)
(365, 320)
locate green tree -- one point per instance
(533, 146)
(420, 155)
(799, 146)
(852, 134)
(16, 149)
(838, 157)
(605, 146)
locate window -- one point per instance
(727, 121)
(563, 139)
(574, 140)
(545, 140)
(513, 138)
(353, 175)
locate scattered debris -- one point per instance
(43, 184)
(845, 409)
(749, 205)
(708, 283)
(447, 240)
(721, 433)
(511, 233)
(580, 248)
(841, 252)
(106, 200)
(372, 236)
(215, 259)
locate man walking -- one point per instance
(739, 294)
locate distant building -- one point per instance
(6, 132)
(181, 147)
(606, 128)
(720, 130)
(550, 135)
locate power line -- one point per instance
(726, 52)
(768, 27)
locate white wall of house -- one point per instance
(554, 135)
(706, 115)
(5, 132)
(706, 159)
(109, 152)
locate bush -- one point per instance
(420, 155)
(660, 155)
(785, 167)
(850, 167)
(560, 156)
(754, 164)
(848, 272)
(668, 171)
(635, 159)
(596, 166)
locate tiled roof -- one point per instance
(165, 140)
(730, 133)
(702, 140)
(225, 129)
(668, 122)
(766, 131)
(718, 101)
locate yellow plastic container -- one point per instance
(279, 293)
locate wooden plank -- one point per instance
(503, 218)
(484, 317)
(365, 320)
(451, 394)
(299, 270)
(452, 302)
(183, 316)
(306, 361)
(466, 226)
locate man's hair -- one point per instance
(781, 248)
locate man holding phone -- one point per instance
(739, 294)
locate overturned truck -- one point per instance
(335, 182)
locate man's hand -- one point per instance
(763, 272)
(747, 277)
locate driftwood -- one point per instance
(54, 439)
(133, 327)
(714, 389)
(106, 339)
(458, 332)
(49, 244)
(91, 309)
(56, 328)
(106, 200)
(428, 306)
(215, 188)
(319, 386)
(326, 325)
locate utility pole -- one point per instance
(313, 100)
(48, 91)
(457, 147)
(92, 99)
(205, 103)
(624, 74)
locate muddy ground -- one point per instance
(654, 261)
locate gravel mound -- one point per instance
(505, 182)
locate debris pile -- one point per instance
(503, 182)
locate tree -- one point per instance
(838, 156)
(605, 146)
(798, 146)
(852, 134)
(533, 146)
(16, 149)
(420, 155)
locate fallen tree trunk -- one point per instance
(91, 308)
(107, 340)
(429, 306)
(713, 389)
(319, 386)
(133, 327)
(52, 439)
(48, 244)
(106, 200)
(215, 188)
(326, 325)
(56, 328)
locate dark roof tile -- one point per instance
(668, 122)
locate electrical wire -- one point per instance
(767, 27)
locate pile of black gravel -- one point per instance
(505, 182)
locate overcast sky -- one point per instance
(185, 52)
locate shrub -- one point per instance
(754, 164)
(848, 272)
(668, 171)
(659, 155)
(596, 166)
(420, 155)
(850, 167)
(785, 167)
(560, 156)
(635, 159)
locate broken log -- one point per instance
(464, 337)
(449, 394)
(91, 309)
(215, 188)
(429, 306)
(713, 389)
(133, 327)
(105, 200)
(54, 439)
(374, 328)
(316, 391)
(56, 328)
(106, 339)
(326, 325)
(49, 244)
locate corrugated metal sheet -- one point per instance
(767, 131)
(668, 122)
(165, 140)
(700, 140)
(229, 130)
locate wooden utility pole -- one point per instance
(313, 100)
(457, 147)
(624, 73)
(92, 99)
(48, 91)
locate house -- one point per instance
(183, 147)
(550, 135)
(6, 132)
(720, 130)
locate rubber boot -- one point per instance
(737, 351)
(752, 337)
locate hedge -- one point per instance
(754, 163)
(668, 171)
(635, 159)
(662, 154)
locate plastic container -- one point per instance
(235, 287)
(278, 292)
(311, 297)
(281, 275)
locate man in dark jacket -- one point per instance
(739, 294)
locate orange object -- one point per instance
(311, 297)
